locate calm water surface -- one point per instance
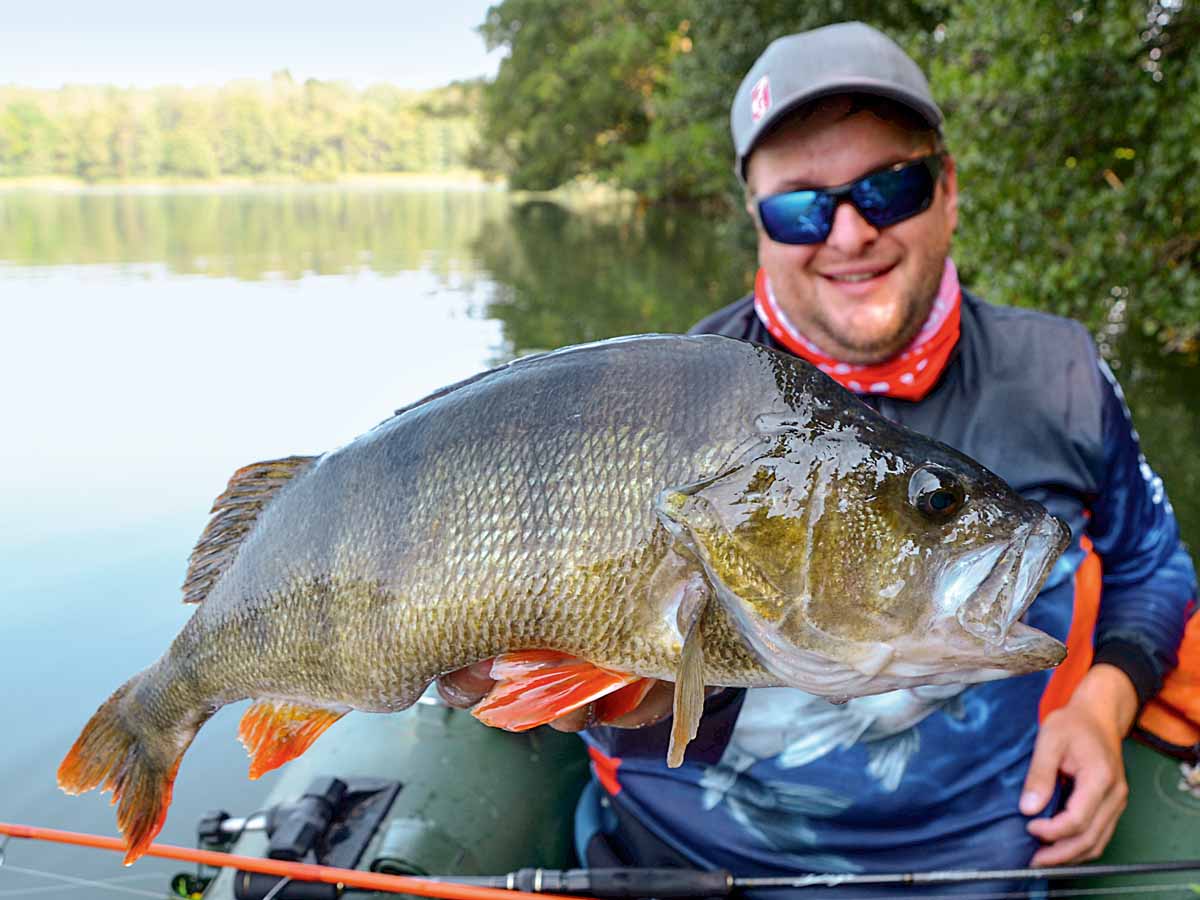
(154, 342)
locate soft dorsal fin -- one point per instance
(250, 489)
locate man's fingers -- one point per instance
(467, 686)
(1043, 772)
(1069, 823)
(655, 707)
(1080, 848)
(575, 720)
(1082, 830)
(1079, 818)
(1076, 849)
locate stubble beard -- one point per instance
(917, 302)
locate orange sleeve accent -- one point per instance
(1174, 714)
(605, 768)
(1079, 639)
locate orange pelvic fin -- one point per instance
(537, 686)
(276, 731)
(111, 755)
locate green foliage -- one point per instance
(1074, 122)
(689, 154)
(315, 130)
(1075, 127)
(573, 93)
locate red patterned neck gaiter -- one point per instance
(909, 375)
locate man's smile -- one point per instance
(858, 279)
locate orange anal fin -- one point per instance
(624, 700)
(537, 686)
(276, 731)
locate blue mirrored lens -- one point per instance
(798, 217)
(889, 197)
(882, 198)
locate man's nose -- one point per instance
(850, 232)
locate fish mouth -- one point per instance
(990, 589)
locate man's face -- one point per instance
(864, 293)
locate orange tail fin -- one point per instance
(112, 755)
(536, 686)
(276, 731)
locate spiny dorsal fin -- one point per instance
(234, 514)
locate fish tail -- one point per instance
(111, 754)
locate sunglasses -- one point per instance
(883, 197)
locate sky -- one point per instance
(138, 43)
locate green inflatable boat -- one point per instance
(431, 791)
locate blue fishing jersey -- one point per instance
(779, 781)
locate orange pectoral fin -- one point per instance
(275, 731)
(537, 686)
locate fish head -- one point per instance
(856, 557)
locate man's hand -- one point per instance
(1082, 741)
(467, 686)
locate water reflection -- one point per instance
(248, 235)
(565, 278)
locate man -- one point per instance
(855, 200)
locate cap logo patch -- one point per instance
(760, 98)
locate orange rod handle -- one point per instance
(398, 884)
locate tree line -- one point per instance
(281, 127)
(1075, 125)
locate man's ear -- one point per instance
(949, 181)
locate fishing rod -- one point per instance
(342, 878)
(572, 884)
(617, 883)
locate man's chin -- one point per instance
(864, 344)
(870, 330)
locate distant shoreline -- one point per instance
(579, 193)
(465, 179)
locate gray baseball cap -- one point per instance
(849, 57)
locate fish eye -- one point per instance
(936, 492)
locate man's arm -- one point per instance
(1148, 577)
(1148, 581)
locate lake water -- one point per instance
(153, 342)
